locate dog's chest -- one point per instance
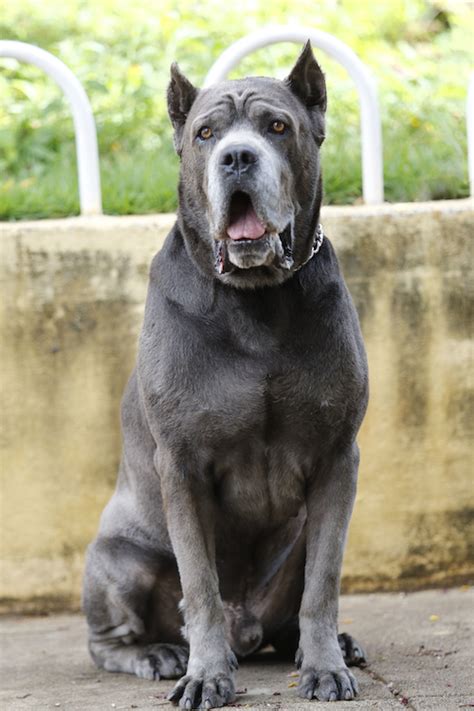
(260, 485)
(258, 430)
(245, 402)
(256, 402)
(268, 448)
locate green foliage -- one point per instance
(121, 51)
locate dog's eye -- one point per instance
(278, 127)
(205, 133)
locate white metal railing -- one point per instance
(371, 130)
(86, 135)
(470, 132)
(84, 124)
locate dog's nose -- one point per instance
(238, 159)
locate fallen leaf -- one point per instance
(292, 683)
(434, 618)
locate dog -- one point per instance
(227, 527)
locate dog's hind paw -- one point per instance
(354, 655)
(162, 661)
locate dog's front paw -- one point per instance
(203, 692)
(327, 685)
(354, 655)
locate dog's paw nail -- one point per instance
(188, 704)
(207, 704)
(348, 695)
(232, 660)
(332, 696)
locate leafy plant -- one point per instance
(419, 53)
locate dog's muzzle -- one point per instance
(250, 243)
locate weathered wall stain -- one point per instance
(72, 302)
(411, 311)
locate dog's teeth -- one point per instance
(278, 245)
(220, 257)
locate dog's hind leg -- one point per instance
(119, 592)
(353, 653)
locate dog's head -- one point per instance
(250, 183)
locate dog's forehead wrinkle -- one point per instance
(215, 117)
(250, 104)
(271, 110)
(209, 105)
(241, 99)
(218, 97)
(239, 92)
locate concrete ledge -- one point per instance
(72, 301)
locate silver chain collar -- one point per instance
(318, 240)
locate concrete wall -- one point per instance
(72, 301)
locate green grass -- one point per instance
(419, 53)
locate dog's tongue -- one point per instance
(246, 225)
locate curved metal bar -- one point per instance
(371, 131)
(470, 132)
(84, 124)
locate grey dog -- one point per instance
(227, 527)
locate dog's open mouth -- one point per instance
(249, 242)
(244, 223)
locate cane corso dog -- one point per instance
(227, 527)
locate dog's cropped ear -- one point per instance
(306, 80)
(181, 95)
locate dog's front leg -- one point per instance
(208, 681)
(330, 499)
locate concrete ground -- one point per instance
(419, 645)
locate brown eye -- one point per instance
(278, 127)
(205, 133)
